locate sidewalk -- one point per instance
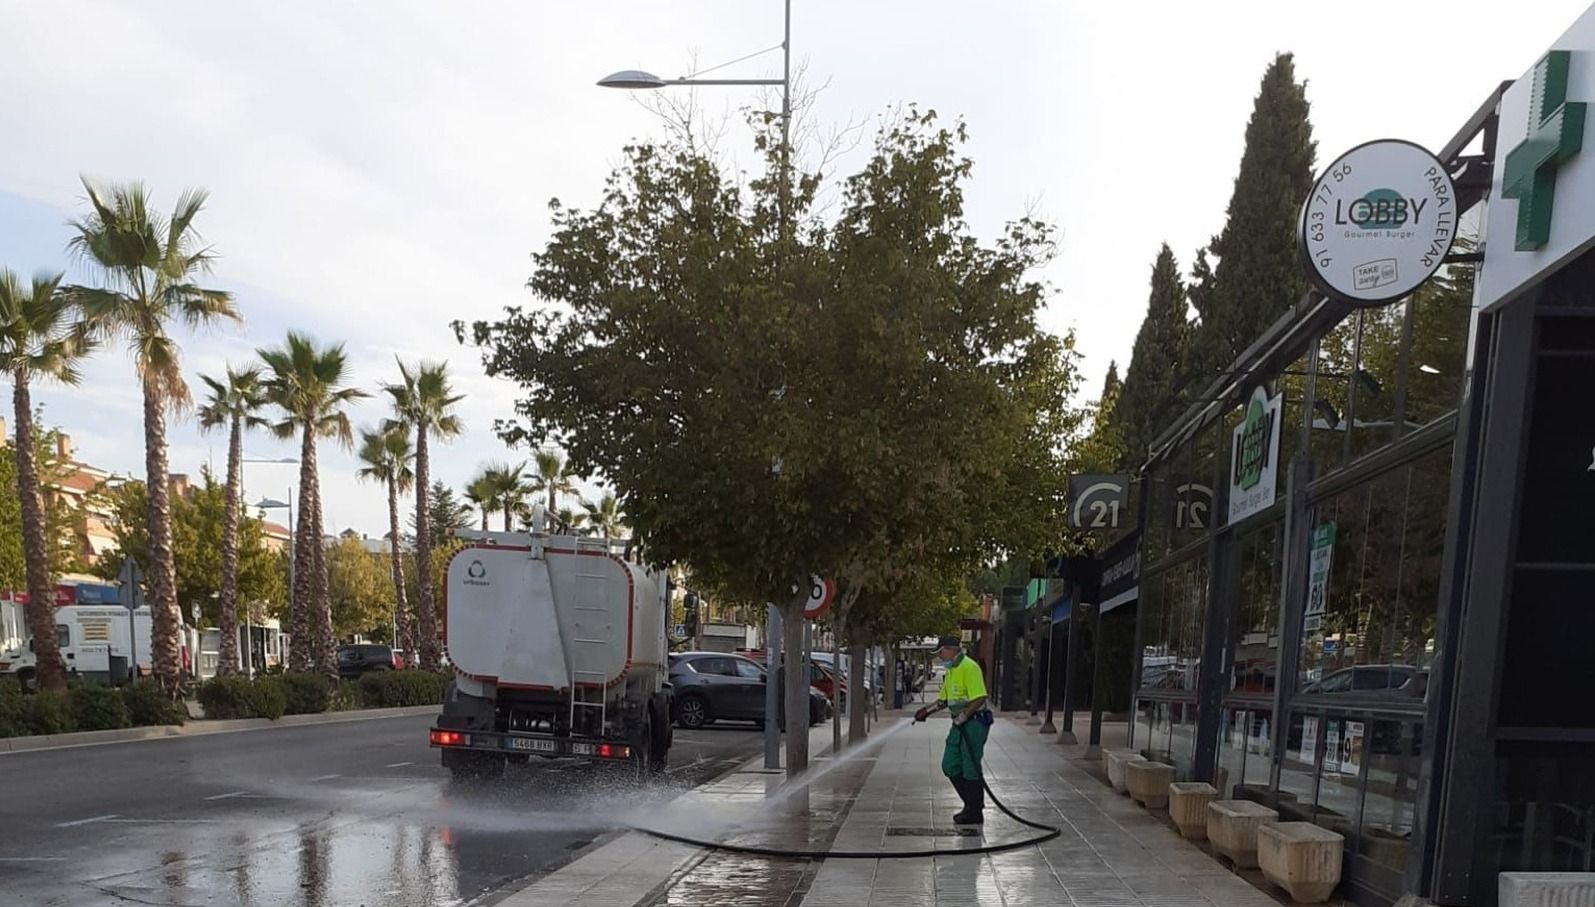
(1111, 853)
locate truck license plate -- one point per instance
(532, 744)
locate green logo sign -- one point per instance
(1555, 134)
(1256, 434)
(1384, 209)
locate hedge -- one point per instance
(389, 689)
(275, 695)
(148, 705)
(98, 708)
(307, 694)
(240, 697)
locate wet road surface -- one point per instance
(338, 814)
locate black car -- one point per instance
(716, 686)
(363, 658)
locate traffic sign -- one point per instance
(821, 593)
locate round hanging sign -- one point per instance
(1379, 222)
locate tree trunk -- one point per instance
(404, 631)
(797, 687)
(51, 674)
(484, 519)
(507, 516)
(321, 604)
(426, 616)
(165, 619)
(301, 654)
(229, 591)
(857, 697)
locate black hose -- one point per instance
(1051, 831)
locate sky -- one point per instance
(379, 169)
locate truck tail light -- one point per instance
(449, 738)
(613, 751)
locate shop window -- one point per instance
(1157, 741)
(1175, 605)
(1143, 724)
(1255, 659)
(1159, 508)
(1543, 817)
(1292, 387)
(1373, 585)
(1331, 405)
(1298, 770)
(1442, 314)
(1339, 774)
(1391, 796)
(1182, 739)
(1375, 384)
(1259, 750)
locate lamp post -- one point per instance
(637, 79)
(274, 504)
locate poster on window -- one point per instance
(1332, 747)
(1318, 564)
(1309, 739)
(1351, 749)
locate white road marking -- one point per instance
(32, 859)
(236, 793)
(164, 821)
(398, 764)
(325, 777)
(105, 818)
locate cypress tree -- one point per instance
(1150, 398)
(1259, 275)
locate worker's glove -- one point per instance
(922, 714)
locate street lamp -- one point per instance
(637, 79)
(264, 505)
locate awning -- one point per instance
(1123, 598)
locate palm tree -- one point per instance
(235, 403)
(150, 263)
(605, 517)
(481, 493)
(509, 489)
(424, 403)
(307, 382)
(385, 457)
(569, 522)
(39, 338)
(553, 477)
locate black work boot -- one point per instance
(973, 799)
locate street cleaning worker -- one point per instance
(963, 689)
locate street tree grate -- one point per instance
(926, 831)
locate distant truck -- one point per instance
(559, 649)
(96, 644)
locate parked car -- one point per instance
(716, 686)
(363, 658)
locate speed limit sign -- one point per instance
(821, 593)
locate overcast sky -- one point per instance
(378, 169)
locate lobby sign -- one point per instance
(1254, 457)
(1379, 222)
(1539, 217)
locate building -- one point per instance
(1367, 566)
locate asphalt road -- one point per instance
(338, 814)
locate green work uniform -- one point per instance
(966, 742)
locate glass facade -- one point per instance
(1325, 683)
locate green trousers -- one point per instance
(961, 754)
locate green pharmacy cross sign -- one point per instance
(1555, 134)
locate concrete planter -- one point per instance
(1188, 807)
(1547, 889)
(1116, 760)
(1148, 783)
(1301, 858)
(1232, 828)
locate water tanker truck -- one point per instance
(559, 650)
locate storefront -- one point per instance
(1367, 591)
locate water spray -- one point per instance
(1048, 832)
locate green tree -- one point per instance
(552, 476)
(149, 265)
(360, 589)
(604, 517)
(1103, 448)
(483, 496)
(1259, 275)
(507, 490)
(40, 338)
(198, 520)
(385, 457)
(309, 384)
(445, 513)
(771, 403)
(1150, 399)
(424, 402)
(234, 403)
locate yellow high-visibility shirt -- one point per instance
(962, 683)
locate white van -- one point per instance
(93, 640)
